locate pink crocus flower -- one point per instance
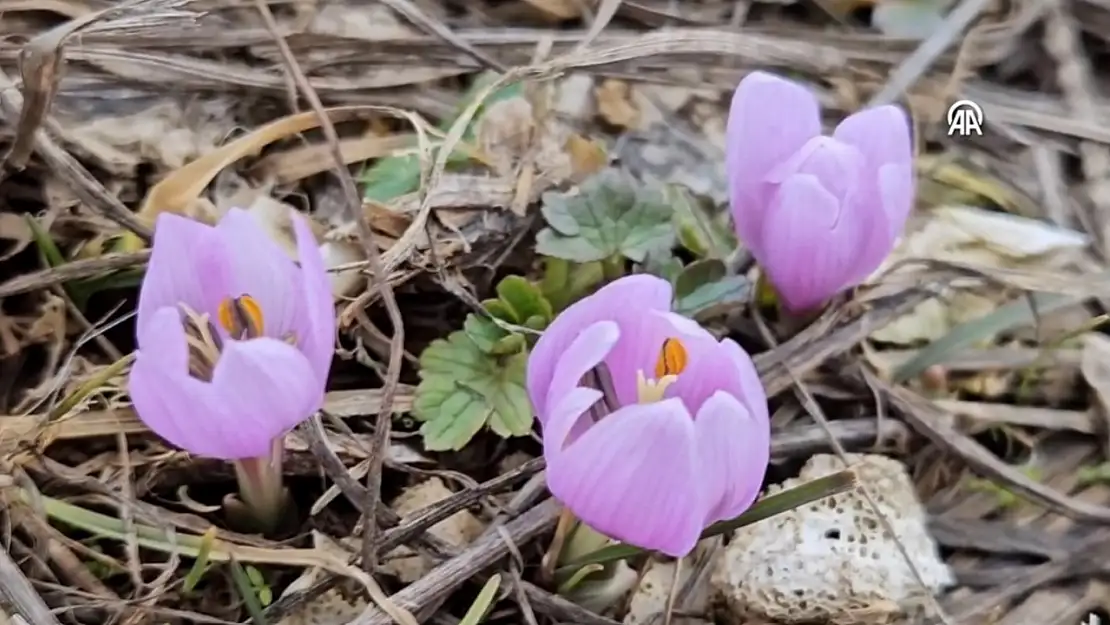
(676, 438)
(235, 341)
(819, 213)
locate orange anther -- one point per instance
(672, 359)
(241, 317)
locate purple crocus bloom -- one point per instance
(235, 339)
(819, 213)
(667, 436)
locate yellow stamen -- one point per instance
(648, 391)
(672, 359)
(241, 317)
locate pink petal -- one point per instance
(838, 166)
(588, 349)
(260, 389)
(187, 265)
(623, 301)
(809, 257)
(632, 476)
(734, 448)
(709, 367)
(752, 393)
(261, 269)
(884, 137)
(267, 386)
(769, 120)
(316, 330)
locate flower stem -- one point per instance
(260, 487)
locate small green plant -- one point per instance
(611, 215)
(475, 377)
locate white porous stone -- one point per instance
(831, 561)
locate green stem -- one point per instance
(261, 487)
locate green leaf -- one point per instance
(397, 175)
(483, 332)
(610, 216)
(478, 610)
(663, 264)
(1019, 312)
(701, 228)
(1099, 473)
(246, 591)
(525, 299)
(564, 282)
(200, 565)
(703, 288)
(782, 501)
(500, 309)
(463, 389)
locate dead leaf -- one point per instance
(586, 157)
(180, 190)
(977, 238)
(16, 232)
(168, 134)
(614, 104)
(308, 160)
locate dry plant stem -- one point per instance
(445, 578)
(916, 64)
(17, 591)
(421, 19)
(74, 270)
(932, 422)
(377, 281)
(87, 188)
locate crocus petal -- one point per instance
(227, 422)
(752, 394)
(769, 120)
(316, 328)
(632, 476)
(623, 301)
(267, 387)
(260, 389)
(588, 349)
(709, 367)
(809, 257)
(261, 269)
(187, 265)
(883, 135)
(734, 448)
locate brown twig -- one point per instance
(17, 591)
(71, 271)
(377, 281)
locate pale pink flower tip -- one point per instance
(819, 213)
(685, 447)
(235, 339)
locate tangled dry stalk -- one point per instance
(975, 357)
